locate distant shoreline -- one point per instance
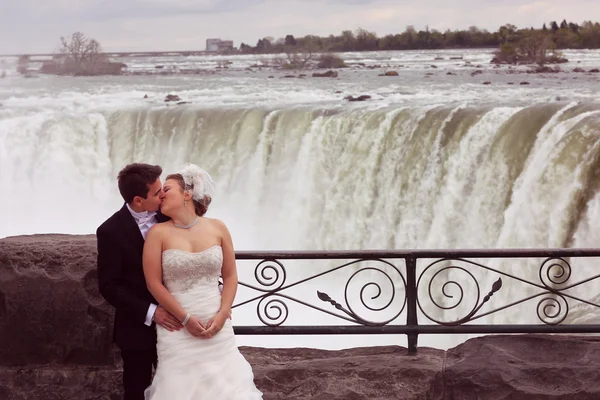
(143, 54)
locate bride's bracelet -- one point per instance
(187, 318)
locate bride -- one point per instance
(183, 259)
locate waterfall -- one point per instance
(308, 177)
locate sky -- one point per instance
(34, 26)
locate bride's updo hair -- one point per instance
(200, 206)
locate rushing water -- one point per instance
(432, 160)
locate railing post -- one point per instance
(411, 299)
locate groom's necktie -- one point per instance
(144, 220)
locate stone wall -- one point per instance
(56, 330)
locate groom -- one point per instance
(121, 277)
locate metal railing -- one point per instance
(412, 286)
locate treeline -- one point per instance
(563, 35)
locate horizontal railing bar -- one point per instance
(420, 329)
(419, 253)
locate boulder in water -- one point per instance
(362, 97)
(172, 97)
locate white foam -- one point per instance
(296, 166)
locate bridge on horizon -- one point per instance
(129, 53)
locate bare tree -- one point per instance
(299, 57)
(296, 57)
(81, 54)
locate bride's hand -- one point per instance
(195, 327)
(215, 324)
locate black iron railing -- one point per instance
(412, 277)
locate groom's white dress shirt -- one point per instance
(145, 220)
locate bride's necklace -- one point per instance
(188, 226)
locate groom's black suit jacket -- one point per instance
(121, 280)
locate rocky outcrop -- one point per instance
(57, 67)
(528, 367)
(375, 373)
(51, 311)
(60, 383)
(56, 331)
(328, 74)
(172, 97)
(362, 97)
(55, 327)
(544, 69)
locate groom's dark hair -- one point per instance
(135, 180)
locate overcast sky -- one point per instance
(28, 26)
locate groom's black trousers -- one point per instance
(137, 372)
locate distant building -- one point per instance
(225, 46)
(219, 46)
(212, 44)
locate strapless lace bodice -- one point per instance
(189, 367)
(183, 270)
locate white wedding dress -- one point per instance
(192, 368)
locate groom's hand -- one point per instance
(163, 318)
